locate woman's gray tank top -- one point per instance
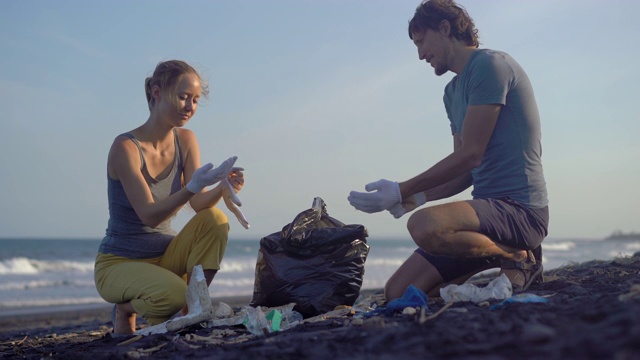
(126, 235)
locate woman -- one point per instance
(142, 263)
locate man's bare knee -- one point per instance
(420, 225)
(392, 291)
(426, 233)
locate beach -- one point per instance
(592, 312)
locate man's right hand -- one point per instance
(380, 195)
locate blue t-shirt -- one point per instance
(511, 166)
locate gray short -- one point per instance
(503, 221)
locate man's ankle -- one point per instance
(519, 256)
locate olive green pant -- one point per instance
(156, 287)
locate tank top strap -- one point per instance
(135, 141)
(179, 163)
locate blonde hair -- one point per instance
(167, 76)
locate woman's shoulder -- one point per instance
(186, 136)
(123, 140)
(124, 154)
(185, 132)
(123, 145)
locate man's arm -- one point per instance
(449, 189)
(443, 191)
(479, 122)
(452, 187)
(447, 177)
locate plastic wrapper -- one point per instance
(498, 288)
(520, 298)
(316, 261)
(256, 321)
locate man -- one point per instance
(496, 149)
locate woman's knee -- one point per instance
(163, 302)
(212, 216)
(211, 223)
(174, 296)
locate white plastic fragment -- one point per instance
(498, 288)
(256, 321)
(198, 302)
(223, 310)
(409, 310)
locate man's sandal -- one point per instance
(530, 268)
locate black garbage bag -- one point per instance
(316, 262)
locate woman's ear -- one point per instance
(155, 92)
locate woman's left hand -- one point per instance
(236, 179)
(232, 184)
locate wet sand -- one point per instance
(593, 312)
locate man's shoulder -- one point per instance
(489, 61)
(491, 56)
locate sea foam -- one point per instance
(23, 265)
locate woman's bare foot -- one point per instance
(125, 323)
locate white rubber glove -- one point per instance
(407, 205)
(208, 175)
(387, 194)
(232, 201)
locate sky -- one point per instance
(315, 97)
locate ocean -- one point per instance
(37, 273)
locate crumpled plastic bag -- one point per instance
(520, 298)
(412, 297)
(256, 321)
(316, 261)
(498, 288)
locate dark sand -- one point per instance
(593, 312)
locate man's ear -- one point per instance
(445, 27)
